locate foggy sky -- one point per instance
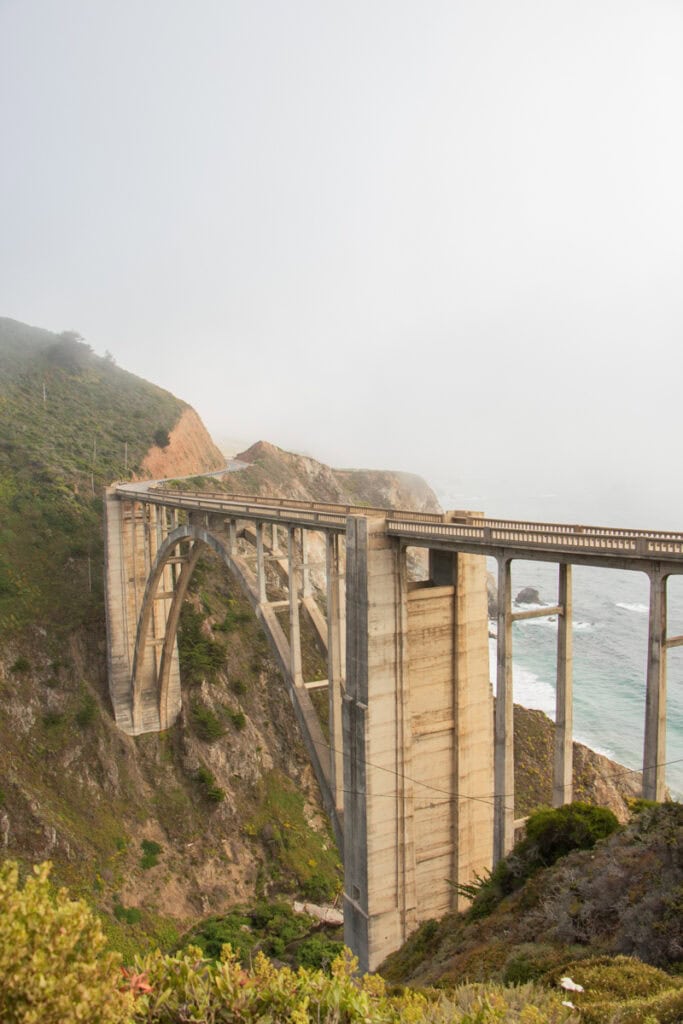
(445, 237)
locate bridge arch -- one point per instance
(157, 670)
(198, 539)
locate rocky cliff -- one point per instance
(189, 450)
(271, 470)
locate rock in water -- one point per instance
(528, 595)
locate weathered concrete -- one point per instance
(418, 732)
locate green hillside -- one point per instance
(577, 886)
(70, 423)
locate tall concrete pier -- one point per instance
(419, 736)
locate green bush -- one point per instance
(51, 719)
(205, 722)
(162, 438)
(85, 715)
(553, 833)
(53, 967)
(207, 781)
(131, 915)
(550, 834)
(200, 655)
(238, 719)
(318, 952)
(22, 664)
(150, 854)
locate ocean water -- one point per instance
(610, 621)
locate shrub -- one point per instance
(52, 961)
(206, 723)
(86, 712)
(162, 438)
(131, 915)
(237, 718)
(318, 952)
(22, 664)
(52, 719)
(550, 834)
(207, 780)
(622, 989)
(150, 854)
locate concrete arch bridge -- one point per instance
(416, 776)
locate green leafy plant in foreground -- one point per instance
(55, 969)
(53, 965)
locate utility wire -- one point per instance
(490, 800)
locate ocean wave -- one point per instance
(529, 689)
(642, 608)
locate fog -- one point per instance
(442, 237)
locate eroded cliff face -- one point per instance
(273, 471)
(190, 450)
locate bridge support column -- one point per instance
(378, 847)
(564, 707)
(417, 739)
(305, 570)
(232, 537)
(294, 628)
(260, 565)
(334, 668)
(504, 766)
(654, 750)
(132, 532)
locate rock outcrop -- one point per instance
(190, 450)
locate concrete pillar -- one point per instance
(305, 556)
(232, 537)
(473, 716)
(654, 751)
(504, 767)
(377, 851)
(275, 542)
(294, 628)
(564, 708)
(334, 672)
(260, 565)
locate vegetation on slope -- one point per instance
(71, 423)
(622, 896)
(55, 969)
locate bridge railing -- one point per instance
(423, 525)
(570, 528)
(602, 541)
(295, 503)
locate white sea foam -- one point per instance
(529, 689)
(642, 608)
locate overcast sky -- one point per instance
(442, 237)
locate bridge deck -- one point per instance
(564, 542)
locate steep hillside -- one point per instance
(619, 897)
(71, 422)
(72, 787)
